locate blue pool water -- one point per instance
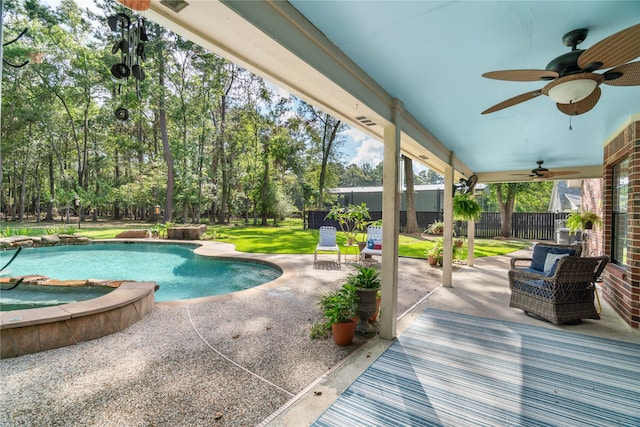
(180, 273)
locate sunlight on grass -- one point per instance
(290, 238)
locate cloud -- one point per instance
(362, 148)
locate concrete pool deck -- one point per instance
(236, 360)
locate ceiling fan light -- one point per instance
(572, 91)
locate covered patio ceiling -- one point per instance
(360, 60)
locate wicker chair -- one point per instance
(566, 296)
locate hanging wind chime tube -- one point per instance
(139, 5)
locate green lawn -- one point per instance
(288, 238)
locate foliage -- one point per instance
(352, 219)
(436, 251)
(339, 306)
(64, 229)
(319, 330)
(578, 220)
(528, 196)
(366, 278)
(465, 207)
(436, 227)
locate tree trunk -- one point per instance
(23, 189)
(116, 161)
(412, 221)
(168, 204)
(52, 190)
(328, 136)
(265, 186)
(506, 208)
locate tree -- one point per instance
(412, 221)
(507, 194)
(326, 134)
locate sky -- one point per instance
(358, 149)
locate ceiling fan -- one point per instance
(542, 172)
(573, 84)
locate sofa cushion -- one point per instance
(539, 256)
(568, 251)
(551, 263)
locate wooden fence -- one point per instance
(524, 225)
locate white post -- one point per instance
(471, 232)
(390, 226)
(447, 258)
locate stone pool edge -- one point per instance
(46, 328)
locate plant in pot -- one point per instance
(436, 227)
(352, 220)
(367, 283)
(435, 253)
(585, 220)
(339, 307)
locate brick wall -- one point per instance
(621, 285)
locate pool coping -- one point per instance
(45, 328)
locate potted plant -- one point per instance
(352, 219)
(466, 208)
(339, 307)
(367, 283)
(436, 227)
(585, 220)
(435, 253)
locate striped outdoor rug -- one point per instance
(450, 369)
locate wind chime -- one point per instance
(131, 51)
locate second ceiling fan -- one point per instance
(573, 84)
(542, 172)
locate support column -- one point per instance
(390, 226)
(471, 233)
(447, 259)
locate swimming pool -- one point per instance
(180, 273)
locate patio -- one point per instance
(170, 368)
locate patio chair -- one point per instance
(562, 293)
(374, 243)
(327, 243)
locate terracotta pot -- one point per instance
(343, 333)
(432, 260)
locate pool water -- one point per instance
(34, 296)
(179, 272)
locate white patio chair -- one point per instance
(327, 243)
(374, 234)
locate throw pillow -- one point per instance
(539, 256)
(551, 262)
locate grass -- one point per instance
(288, 238)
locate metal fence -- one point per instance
(524, 225)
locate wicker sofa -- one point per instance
(559, 289)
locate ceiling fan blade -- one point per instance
(563, 173)
(583, 106)
(513, 101)
(521, 75)
(615, 50)
(630, 75)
